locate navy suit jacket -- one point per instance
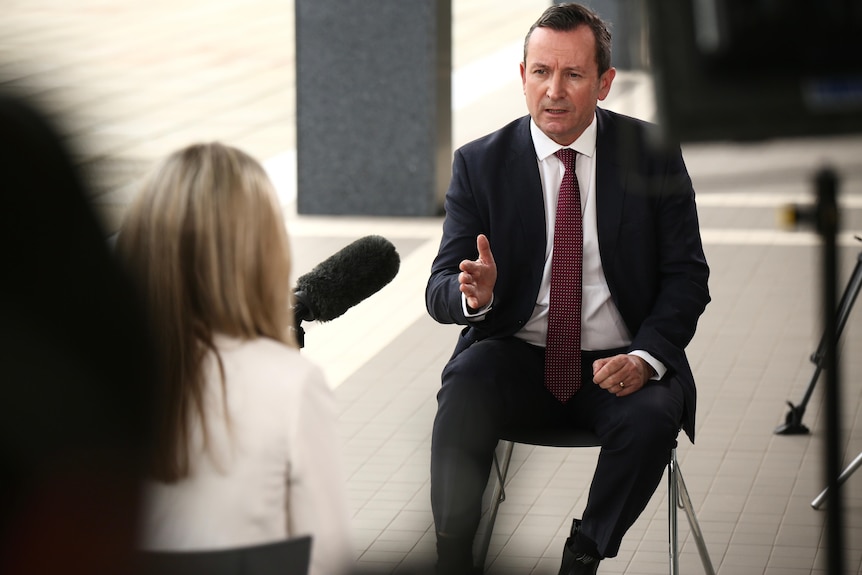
(648, 232)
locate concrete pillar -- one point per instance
(628, 30)
(374, 112)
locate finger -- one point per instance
(605, 371)
(468, 289)
(465, 278)
(598, 365)
(484, 247)
(627, 389)
(468, 266)
(470, 295)
(614, 388)
(612, 374)
(608, 383)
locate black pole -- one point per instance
(827, 225)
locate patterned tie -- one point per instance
(563, 351)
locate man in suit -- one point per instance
(643, 281)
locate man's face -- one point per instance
(561, 81)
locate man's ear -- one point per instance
(523, 67)
(605, 81)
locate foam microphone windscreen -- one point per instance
(352, 274)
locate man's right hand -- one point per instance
(478, 277)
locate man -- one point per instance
(643, 284)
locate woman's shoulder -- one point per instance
(268, 360)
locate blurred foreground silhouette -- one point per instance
(74, 425)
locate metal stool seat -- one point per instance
(288, 557)
(678, 496)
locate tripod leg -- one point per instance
(849, 296)
(848, 471)
(793, 420)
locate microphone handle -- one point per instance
(301, 310)
(301, 313)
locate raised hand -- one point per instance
(479, 276)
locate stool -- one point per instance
(678, 496)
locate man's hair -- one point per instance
(206, 242)
(567, 17)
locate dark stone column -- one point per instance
(628, 30)
(373, 106)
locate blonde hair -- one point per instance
(206, 242)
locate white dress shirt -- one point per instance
(602, 326)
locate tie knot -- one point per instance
(567, 156)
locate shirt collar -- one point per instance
(545, 146)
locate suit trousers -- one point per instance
(496, 383)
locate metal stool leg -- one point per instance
(498, 495)
(672, 524)
(684, 501)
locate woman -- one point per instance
(246, 448)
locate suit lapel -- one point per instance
(525, 187)
(610, 187)
(523, 172)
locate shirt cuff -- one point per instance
(476, 315)
(658, 366)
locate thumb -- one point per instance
(484, 247)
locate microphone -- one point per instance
(341, 281)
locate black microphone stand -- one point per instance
(301, 312)
(827, 225)
(299, 333)
(825, 218)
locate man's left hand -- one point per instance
(621, 374)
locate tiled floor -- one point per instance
(133, 80)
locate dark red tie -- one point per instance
(563, 351)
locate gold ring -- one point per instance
(622, 384)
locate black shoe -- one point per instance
(441, 570)
(455, 557)
(438, 570)
(577, 562)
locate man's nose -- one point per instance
(556, 90)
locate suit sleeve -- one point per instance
(681, 274)
(460, 229)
